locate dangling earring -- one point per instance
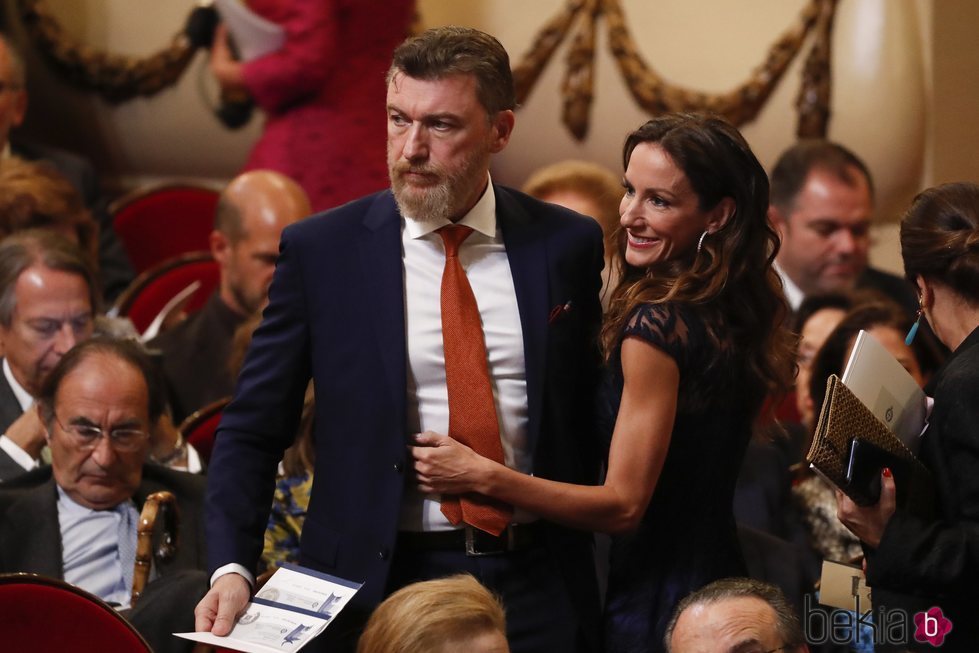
(700, 243)
(913, 331)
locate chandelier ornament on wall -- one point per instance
(654, 94)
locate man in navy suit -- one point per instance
(355, 304)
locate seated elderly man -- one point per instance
(48, 301)
(735, 614)
(76, 520)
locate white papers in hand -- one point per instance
(885, 387)
(253, 35)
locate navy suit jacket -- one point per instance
(336, 314)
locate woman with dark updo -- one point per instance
(915, 563)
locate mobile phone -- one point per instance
(864, 468)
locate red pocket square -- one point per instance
(559, 312)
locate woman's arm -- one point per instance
(639, 445)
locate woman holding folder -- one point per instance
(914, 563)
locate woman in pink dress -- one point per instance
(322, 93)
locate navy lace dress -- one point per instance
(687, 537)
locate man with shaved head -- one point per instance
(251, 214)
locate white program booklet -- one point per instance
(253, 35)
(292, 608)
(885, 387)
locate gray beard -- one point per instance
(443, 201)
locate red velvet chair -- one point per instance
(46, 614)
(153, 290)
(199, 427)
(159, 222)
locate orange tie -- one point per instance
(472, 411)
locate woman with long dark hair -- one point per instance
(694, 346)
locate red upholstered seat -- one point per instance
(160, 222)
(150, 292)
(199, 427)
(44, 614)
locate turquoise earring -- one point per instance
(913, 331)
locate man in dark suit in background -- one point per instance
(47, 304)
(77, 519)
(251, 214)
(115, 272)
(822, 203)
(355, 303)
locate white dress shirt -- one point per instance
(90, 548)
(25, 400)
(483, 256)
(793, 294)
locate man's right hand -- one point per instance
(28, 433)
(218, 609)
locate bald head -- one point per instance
(259, 196)
(252, 212)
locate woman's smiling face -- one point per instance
(660, 211)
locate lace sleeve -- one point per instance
(662, 325)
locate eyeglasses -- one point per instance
(86, 436)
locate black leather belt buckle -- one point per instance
(480, 543)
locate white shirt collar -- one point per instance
(481, 217)
(793, 294)
(24, 398)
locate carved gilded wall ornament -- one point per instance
(117, 78)
(654, 94)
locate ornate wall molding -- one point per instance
(117, 78)
(654, 94)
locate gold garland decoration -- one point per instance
(117, 78)
(739, 105)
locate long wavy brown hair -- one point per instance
(731, 279)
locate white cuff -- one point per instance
(233, 568)
(17, 454)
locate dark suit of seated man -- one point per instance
(76, 520)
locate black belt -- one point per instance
(473, 541)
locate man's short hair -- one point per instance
(792, 169)
(38, 246)
(443, 51)
(16, 62)
(786, 621)
(128, 351)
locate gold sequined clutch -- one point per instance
(842, 418)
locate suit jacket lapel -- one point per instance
(10, 408)
(527, 253)
(36, 518)
(383, 274)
